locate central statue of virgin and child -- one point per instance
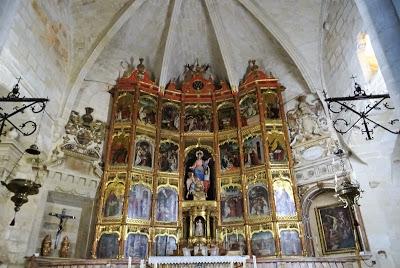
(198, 180)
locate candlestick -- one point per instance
(254, 262)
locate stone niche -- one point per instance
(79, 236)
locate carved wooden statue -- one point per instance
(64, 249)
(46, 246)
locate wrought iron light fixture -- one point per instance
(343, 104)
(35, 104)
(22, 187)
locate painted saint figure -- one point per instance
(144, 157)
(284, 202)
(202, 170)
(167, 205)
(119, 153)
(139, 202)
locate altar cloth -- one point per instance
(196, 259)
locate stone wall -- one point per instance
(373, 162)
(69, 181)
(37, 49)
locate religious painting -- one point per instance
(167, 204)
(114, 199)
(229, 155)
(199, 175)
(258, 200)
(253, 151)
(226, 116)
(136, 246)
(263, 243)
(271, 101)
(170, 117)
(249, 110)
(231, 203)
(144, 152)
(198, 118)
(290, 242)
(284, 199)
(139, 202)
(336, 229)
(165, 245)
(123, 108)
(147, 110)
(107, 247)
(119, 149)
(235, 242)
(276, 147)
(169, 155)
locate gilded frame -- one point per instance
(327, 250)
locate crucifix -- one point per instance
(63, 217)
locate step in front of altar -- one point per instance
(292, 262)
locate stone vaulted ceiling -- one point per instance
(283, 36)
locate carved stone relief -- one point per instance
(313, 147)
(307, 121)
(84, 137)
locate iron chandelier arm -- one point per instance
(5, 116)
(23, 125)
(356, 98)
(342, 104)
(379, 125)
(374, 106)
(360, 96)
(335, 122)
(19, 110)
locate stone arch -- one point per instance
(307, 199)
(306, 202)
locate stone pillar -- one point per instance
(383, 25)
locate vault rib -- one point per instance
(77, 77)
(224, 47)
(169, 45)
(284, 40)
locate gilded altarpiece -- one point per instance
(197, 166)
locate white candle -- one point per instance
(254, 262)
(141, 263)
(130, 262)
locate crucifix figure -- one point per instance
(63, 217)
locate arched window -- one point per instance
(366, 57)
